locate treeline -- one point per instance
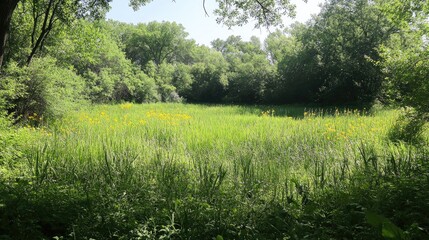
(342, 55)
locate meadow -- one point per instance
(182, 171)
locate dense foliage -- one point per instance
(71, 170)
(175, 171)
(341, 56)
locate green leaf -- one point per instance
(388, 229)
(373, 219)
(391, 231)
(219, 237)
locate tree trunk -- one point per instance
(50, 14)
(6, 10)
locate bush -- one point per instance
(8, 143)
(10, 89)
(408, 128)
(145, 89)
(99, 87)
(210, 83)
(40, 90)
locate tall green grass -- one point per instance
(201, 172)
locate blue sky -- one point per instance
(191, 15)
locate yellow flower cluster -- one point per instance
(268, 113)
(351, 112)
(351, 130)
(34, 117)
(92, 120)
(331, 132)
(38, 130)
(172, 119)
(126, 106)
(127, 120)
(309, 114)
(335, 113)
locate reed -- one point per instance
(176, 169)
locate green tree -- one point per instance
(7, 7)
(350, 34)
(405, 57)
(338, 53)
(158, 42)
(182, 78)
(91, 50)
(278, 44)
(45, 15)
(230, 12)
(209, 75)
(405, 62)
(248, 71)
(46, 89)
(299, 71)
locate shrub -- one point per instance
(145, 89)
(10, 89)
(8, 143)
(408, 128)
(99, 87)
(41, 89)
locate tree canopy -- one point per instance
(47, 13)
(165, 42)
(351, 52)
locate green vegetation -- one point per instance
(190, 171)
(352, 52)
(96, 141)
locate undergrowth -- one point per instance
(173, 171)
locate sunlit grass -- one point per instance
(277, 148)
(204, 170)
